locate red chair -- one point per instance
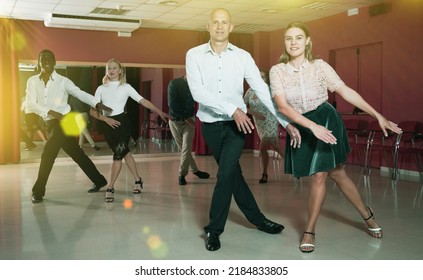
(412, 143)
(388, 145)
(357, 136)
(419, 155)
(161, 130)
(145, 129)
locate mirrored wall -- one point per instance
(150, 81)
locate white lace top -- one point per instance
(304, 88)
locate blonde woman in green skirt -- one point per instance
(299, 86)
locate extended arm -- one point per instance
(352, 97)
(147, 104)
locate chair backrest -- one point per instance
(158, 121)
(352, 124)
(412, 131)
(356, 129)
(376, 136)
(374, 126)
(418, 137)
(356, 124)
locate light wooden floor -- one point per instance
(166, 221)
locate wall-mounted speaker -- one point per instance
(379, 9)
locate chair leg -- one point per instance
(360, 157)
(367, 161)
(368, 154)
(419, 164)
(395, 171)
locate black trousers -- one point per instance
(57, 140)
(226, 144)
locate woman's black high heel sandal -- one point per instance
(109, 195)
(263, 179)
(375, 232)
(137, 189)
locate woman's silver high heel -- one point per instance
(375, 232)
(109, 195)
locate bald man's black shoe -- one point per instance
(212, 242)
(270, 227)
(96, 188)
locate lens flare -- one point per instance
(72, 124)
(146, 230)
(19, 41)
(127, 203)
(157, 247)
(153, 242)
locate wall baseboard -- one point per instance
(384, 171)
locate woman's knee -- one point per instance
(319, 178)
(337, 173)
(121, 151)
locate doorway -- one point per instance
(360, 67)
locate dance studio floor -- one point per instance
(166, 221)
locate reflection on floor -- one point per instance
(166, 221)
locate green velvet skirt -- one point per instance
(314, 155)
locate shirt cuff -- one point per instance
(231, 110)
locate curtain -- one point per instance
(9, 93)
(199, 145)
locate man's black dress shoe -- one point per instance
(36, 198)
(96, 188)
(212, 242)
(201, 174)
(270, 227)
(181, 180)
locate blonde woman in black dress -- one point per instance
(115, 92)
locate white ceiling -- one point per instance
(249, 16)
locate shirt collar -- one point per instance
(52, 77)
(208, 48)
(291, 69)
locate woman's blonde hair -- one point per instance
(122, 74)
(285, 57)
